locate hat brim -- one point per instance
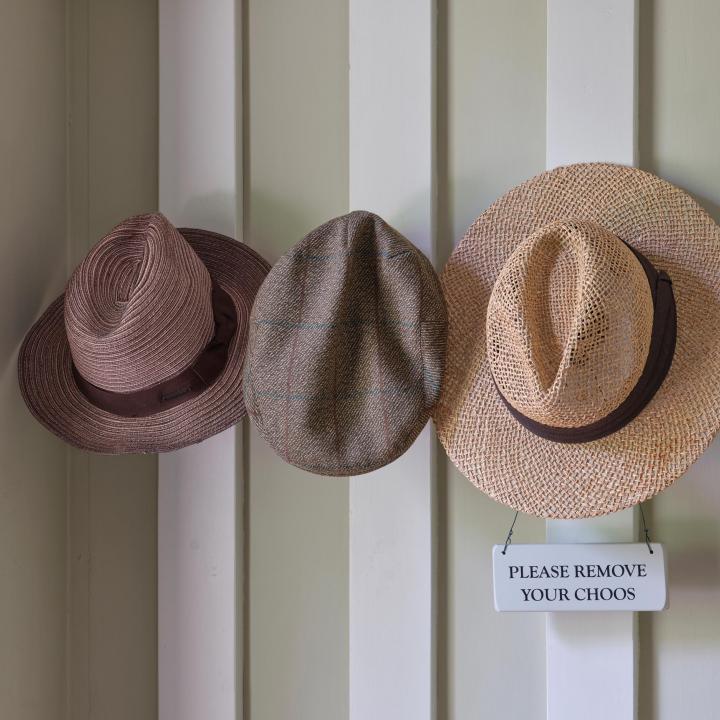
(45, 370)
(555, 480)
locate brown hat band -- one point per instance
(187, 384)
(659, 359)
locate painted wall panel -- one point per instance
(591, 116)
(112, 501)
(491, 135)
(32, 240)
(392, 548)
(296, 150)
(491, 91)
(200, 486)
(679, 121)
(495, 133)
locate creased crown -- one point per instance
(138, 309)
(569, 323)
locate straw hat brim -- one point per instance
(52, 395)
(555, 480)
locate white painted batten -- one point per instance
(392, 538)
(198, 509)
(592, 116)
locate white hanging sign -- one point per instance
(579, 577)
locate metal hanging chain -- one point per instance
(646, 531)
(508, 539)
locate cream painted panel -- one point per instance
(392, 558)
(679, 122)
(32, 241)
(493, 54)
(112, 501)
(296, 177)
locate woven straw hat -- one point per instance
(583, 364)
(346, 348)
(144, 350)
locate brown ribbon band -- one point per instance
(182, 387)
(657, 365)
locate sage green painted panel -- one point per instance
(296, 177)
(32, 478)
(112, 501)
(492, 83)
(679, 124)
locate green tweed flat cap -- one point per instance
(346, 349)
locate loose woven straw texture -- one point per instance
(555, 480)
(346, 348)
(569, 322)
(45, 362)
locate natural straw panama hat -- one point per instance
(144, 351)
(346, 348)
(562, 397)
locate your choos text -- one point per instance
(591, 592)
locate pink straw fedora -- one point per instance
(144, 351)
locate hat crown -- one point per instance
(569, 324)
(138, 309)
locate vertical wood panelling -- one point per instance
(296, 179)
(32, 480)
(591, 115)
(197, 582)
(494, 112)
(112, 501)
(392, 511)
(591, 82)
(198, 518)
(491, 125)
(77, 651)
(679, 120)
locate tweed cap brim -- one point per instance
(556, 480)
(51, 393)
